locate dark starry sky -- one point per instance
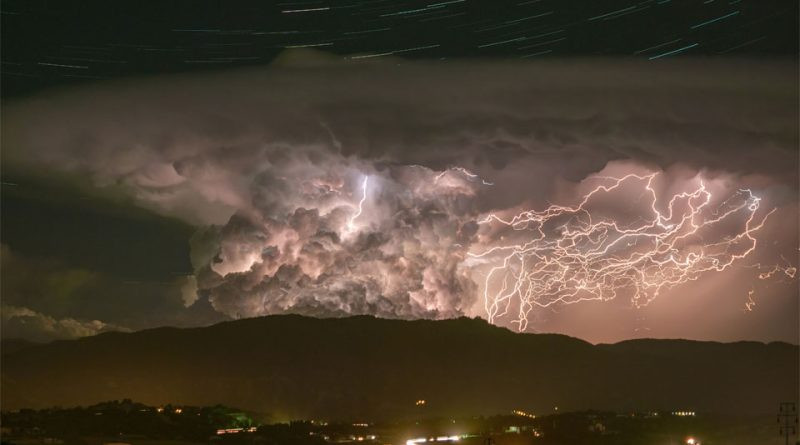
(48, 43)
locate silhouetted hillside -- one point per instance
(363, 367)
(10, 345)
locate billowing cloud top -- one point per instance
(331, 189)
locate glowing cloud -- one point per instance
(351, 227)
(568, 254)
(375, 192)
(318, 241)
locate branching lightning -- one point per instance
(571, 254)
(351, 227)
(750, 303)
(789, 271)
(468, 174)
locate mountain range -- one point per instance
(289, 367)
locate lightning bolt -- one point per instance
(789, 271)
(351, 227)
(468, 174)
(568, 254)
(750, 303)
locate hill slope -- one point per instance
(362, 367)
(11, 345)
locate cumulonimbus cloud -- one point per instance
(328, 235)
(271, 164)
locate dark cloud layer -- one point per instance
(270, 164)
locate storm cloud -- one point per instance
(270, 165)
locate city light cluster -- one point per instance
(524, 414)
(433, 439)
(251, 429)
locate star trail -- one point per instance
(60, 44)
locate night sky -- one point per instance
(192, 162)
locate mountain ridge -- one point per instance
(301, 367)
